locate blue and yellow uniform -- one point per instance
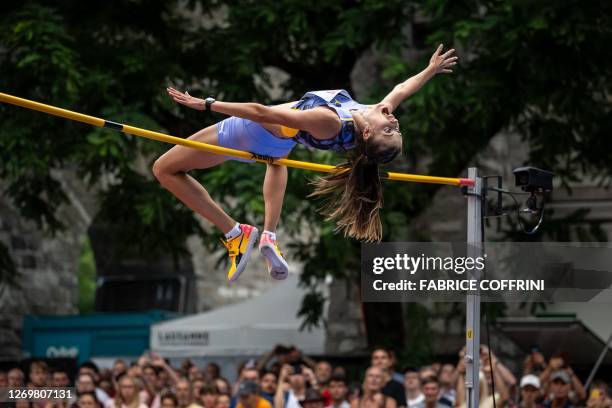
(244, 134)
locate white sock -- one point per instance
(271, 234)
(234, 232)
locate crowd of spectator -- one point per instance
(285, 378)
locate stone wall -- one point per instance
(47, 268)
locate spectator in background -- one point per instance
(193, 373)
(291, 387)
(394, 374)
(313, 399)
(107, 386)
(185, 366)
(60, 378)
(127, 394)
(338, 392)
(381, 358)
(530, 392)
(150, 367)
(223, 401)
(135, 369)
(163, 379)
(558, 363)
(92, 370)
(212, 371)
(447, 379)
(246, 372)
(339, 371)
(3, 379)
(486, 398)
(599, 396)
(534, 363)
(15, 378)
(268, 385)
(85, 384)
(184, 394)
(223, 386)
(168, 400)
(197, 387)
(504, 373)
(279, 354)
(501, 394)
(372, 396)
(150, 392)
(436, 366)
(560, 385)
(88, 400)
(89, 367)
(161, 366)
(284, 355)
(208, 396)
(150, 376)
(248, 396)
(119, 368)
(412, 388)
(425, 372)
(431, 392)
(39, 374)
(323, 372)
(250, 373)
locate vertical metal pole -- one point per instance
(472, 320)
(598, 363)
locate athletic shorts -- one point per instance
(249, 136)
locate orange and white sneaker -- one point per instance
(239, 250)
(277, 266)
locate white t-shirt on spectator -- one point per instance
(292, 401)
(102, 396)
(450, 395)
(415, 401)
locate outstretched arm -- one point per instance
(318, 122)
(438, 63)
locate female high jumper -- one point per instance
(326, 120)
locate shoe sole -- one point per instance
(279, 269)
(245, 258)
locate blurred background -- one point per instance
(99, 262)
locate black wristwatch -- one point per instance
(208, 102)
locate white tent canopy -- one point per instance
(249, 328)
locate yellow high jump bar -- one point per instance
(132, 130)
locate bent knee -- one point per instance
(161, 170)
(157, 168)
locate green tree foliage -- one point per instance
(537, 68)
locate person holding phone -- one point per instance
(293, 381)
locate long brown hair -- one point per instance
(355, 191)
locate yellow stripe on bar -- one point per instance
(91, 120)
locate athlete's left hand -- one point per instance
(186, 99)
(443, 63)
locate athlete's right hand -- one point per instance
(443, 63)
(186, 99)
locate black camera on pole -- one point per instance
(533, 180)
